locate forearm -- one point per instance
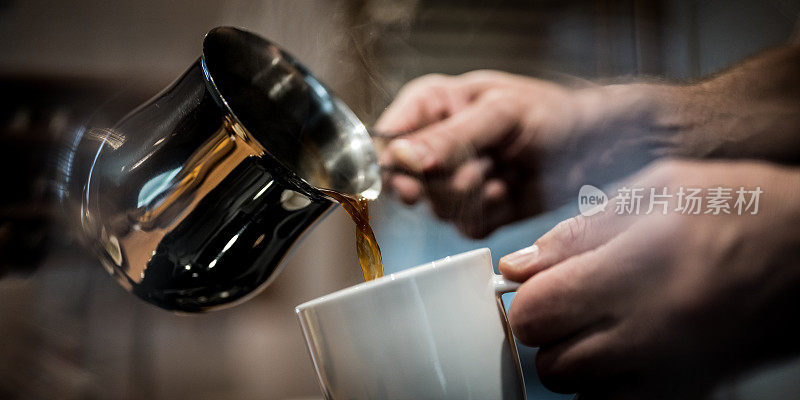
(750, 111)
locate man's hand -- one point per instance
(661, 306)
(488, 148)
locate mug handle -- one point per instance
(502, 285)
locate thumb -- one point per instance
(569, 238)
(445, 144)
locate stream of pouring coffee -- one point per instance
(369, 254)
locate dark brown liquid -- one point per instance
(369, 254)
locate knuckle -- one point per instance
(481, 74)
(571, 230)
(460, 190)
(429, 95)
(501, 104)
(426, 81)
(669, 227)
(495, 97)
(666, 172)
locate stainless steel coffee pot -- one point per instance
(193, 199)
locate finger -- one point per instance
(570, 237)
(580, 363)
(419, 102)
(407, 188)
(495, 191)
(458, 194)
(573, 311)
(492, 211)
(447, 143)
(427, 98)
(470, 176)
(404, 155)
(573, 295)
(475, 82)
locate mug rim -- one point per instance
(395, 278)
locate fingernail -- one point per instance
(521, 258)
(410, 154)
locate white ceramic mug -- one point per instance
(436, 331)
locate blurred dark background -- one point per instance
(67, 331)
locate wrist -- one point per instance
(650, 115)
